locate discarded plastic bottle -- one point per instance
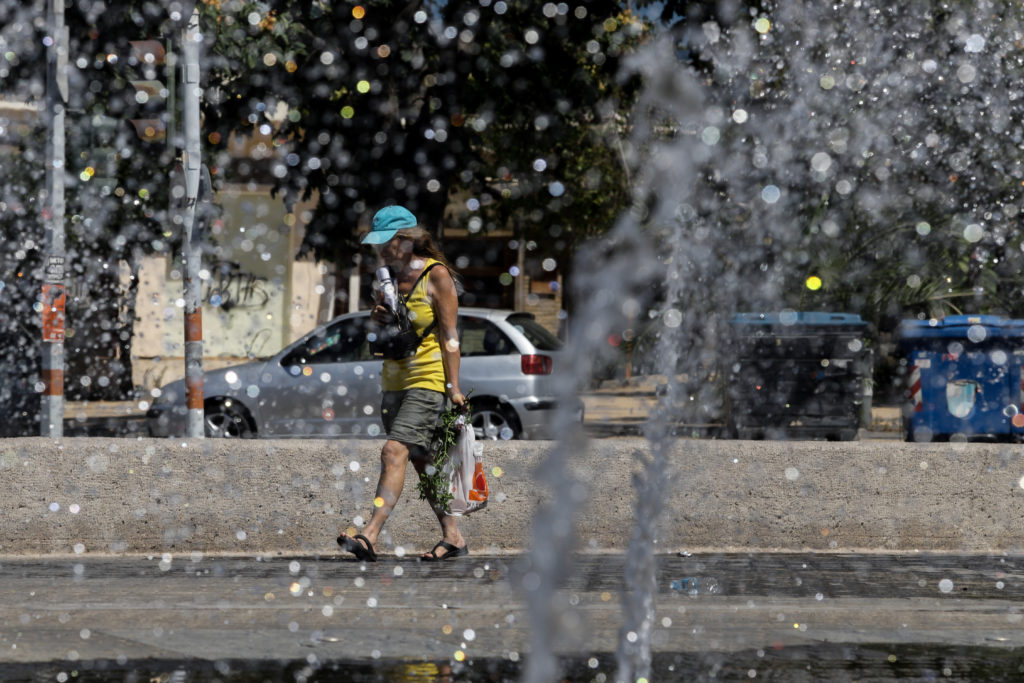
(696, 585)
(480, 491)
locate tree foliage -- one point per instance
(857, 155)
(511, 106)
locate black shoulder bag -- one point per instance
(397, 339)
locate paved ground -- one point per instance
(722, 616)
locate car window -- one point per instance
(537, 334)
(479, 337)
(341, 342)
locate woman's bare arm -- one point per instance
(446, 309)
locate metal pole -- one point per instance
(190, 246)
(170, 71)
(53, 291)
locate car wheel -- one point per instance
(227, 420)
(492, 422)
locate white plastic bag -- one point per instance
(464, 471)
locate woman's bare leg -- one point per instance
(450, 531)
(393, 459)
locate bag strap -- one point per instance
(433, 323)
(423, 274)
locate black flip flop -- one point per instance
(452, 553)
(362, 552)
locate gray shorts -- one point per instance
(410, 417)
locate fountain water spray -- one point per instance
(825, 157)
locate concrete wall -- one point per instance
(256, 297)
(156, 496)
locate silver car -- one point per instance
(327, 384)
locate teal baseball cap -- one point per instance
(387, 222)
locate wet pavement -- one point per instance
(723, 616)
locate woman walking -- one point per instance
(417, 388)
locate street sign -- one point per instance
(54, 269)
(54, 300)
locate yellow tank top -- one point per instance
(425, 369)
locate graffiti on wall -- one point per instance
(230, 287)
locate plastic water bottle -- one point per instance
(387, 288)
(696, 585)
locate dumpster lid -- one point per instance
(798, 318)
(976, 328)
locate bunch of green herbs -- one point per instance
(433, 484)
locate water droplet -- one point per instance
(966, 73)
(946, 586)
(789, 317)
(821, 162)
(976, 333)
(975, 43)
(672, 318)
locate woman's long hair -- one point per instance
(423, 245)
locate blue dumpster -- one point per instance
(963, 377)
(796, 374)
